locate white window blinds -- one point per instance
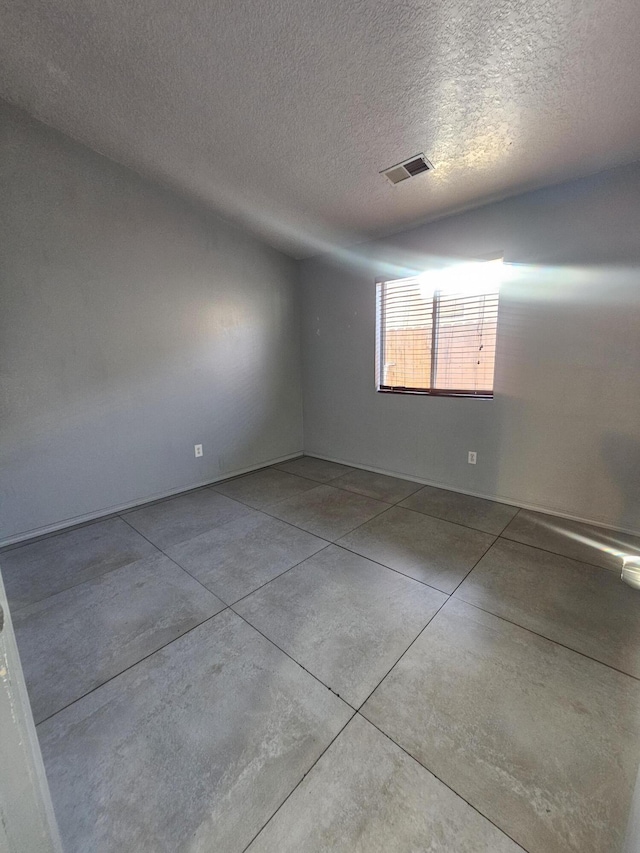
(437, 332)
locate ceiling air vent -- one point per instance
(408, 169)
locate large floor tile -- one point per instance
(264, 487)
(582, 606)
(345, 619)
(72, 642)
(574, 539)
(378, 486)
(489, 516)
(190, 750)
(327, 512)
(38, 569)
(315, 469)
(428, 549)
(366, 795)
(542, 741)
(236, 559)
(184, 517)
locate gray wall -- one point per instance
(132, 327)
(563, 431)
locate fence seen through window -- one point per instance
(436, 333)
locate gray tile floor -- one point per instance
(318, 658)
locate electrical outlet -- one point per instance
(472, 457)
(198, 449)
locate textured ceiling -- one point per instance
(281, 113)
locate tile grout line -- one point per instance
(411, 577)
(275, 466)
(121, 517)
(357, 710)
(269, 640)
(500, 535)
(182, 568)
(558, 554)
(264, 510)
(300, 781)
(15, 610)
(509, 502)
(131, 666)
(448, 598)
(406, 498)
(343, 547)
(242, 597)
(213, 486)
(117, 513)
(209, 618)
(421, 486)
(544, 637)
(108, 516)
(266, 583)
(273, 518)
(335, 484)
(336, 543)
(457, 523)
(339, 544)
(331, 482)
(331, 541)
(415, 639)
(297, 663)
(361, 705)
(204, 586)
(396, 503)
(453, 790)
(230, 606)
(457, 587)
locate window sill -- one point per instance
(416, 392)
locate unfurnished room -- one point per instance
(319, 426)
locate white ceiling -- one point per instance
(281, 113)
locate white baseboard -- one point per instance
(497, 498)
(108, 512)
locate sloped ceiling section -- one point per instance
(281, 113)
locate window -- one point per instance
(436, 333)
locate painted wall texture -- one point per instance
(563, 431)
(133, 326)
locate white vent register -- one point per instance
(410, 168)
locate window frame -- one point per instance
(380, 281)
